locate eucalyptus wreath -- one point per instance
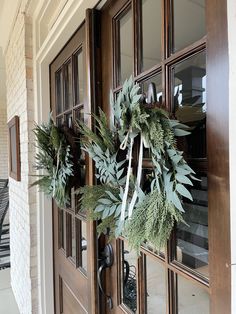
(119, 203)
(55, 159)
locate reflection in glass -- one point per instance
(152, 88)
(189, 102)
(73, 239)
(69, 119)
(191, 298)
(64, 220)
(80, 78)
(59, 92)
(192, 239)
(151, 24)
(83, 245)
(61, 228)
(59, 121)
(68, 85)
(155, 286)
(126, 46)
(128, 277)
(156, 81)
(189, 22)
(79, 116)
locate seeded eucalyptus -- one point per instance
(120, 203)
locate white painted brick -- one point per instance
(23, 216)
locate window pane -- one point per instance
(79, 116)
(191, 298)
(151, 24)
(69, 119)
(189, 102)
(156, 81)
(189, 22)
(152, 88)
(61, 228)
(155, 286)
(59, 92)
(128, 277)
(192, 237)
(126, 46)
(79, 78)
(59, 121)
(68, 85)
(84, 245)
(73, 239)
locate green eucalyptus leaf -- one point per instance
(183, 179)
(112, 196)
(176, 159)
(182, 170)
(105, 201)
(99, 208)
(180, 132)
(176, 201)
(183, 191)
(194, 178)
(105, 213)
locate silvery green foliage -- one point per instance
(171, 174)
(109, 170)
(55, 159)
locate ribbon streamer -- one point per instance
(124, 202)
(139, 174)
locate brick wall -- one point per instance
(23, 233)
(3, 121)
(3, 142)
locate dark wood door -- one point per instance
(149, 40)
(74, 240)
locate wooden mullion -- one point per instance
(196, 280)
(169, 28)
(116, 52)
(150, 72)
(165, 31)
(188, 51)
(73, 68)
(141, 283)
(138, 37)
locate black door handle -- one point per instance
(106, 261)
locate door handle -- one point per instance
(106, 262)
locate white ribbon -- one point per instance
(139, 174)
(123, 145)
(124, 201)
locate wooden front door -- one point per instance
(74, 243)
(163, 42)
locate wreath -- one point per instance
(55, 158)
(119, 202)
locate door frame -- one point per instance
(218, 146)
(69, 20)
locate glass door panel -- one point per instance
(155, 286)
(124, 30)
(189, 103)
(192, 237)
(68, 85)
(189, 22)
(128, 277)
(151, 31)
(191, 298)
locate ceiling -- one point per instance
(7, 16)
